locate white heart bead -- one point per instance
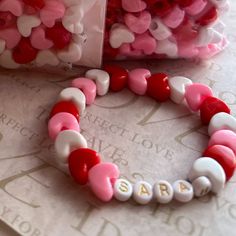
(68, 141)
(123, 190)
(202, 186)
(47, 57)
(163, 192)
(120, 34)
(6, 60)
(102, 79)
(71, 54)
(72, 20)
(26, 23)
(2, 45)
(177, 88)
(142, 192)
(207, 36)
(183, 191)
(76, 96)
(167, 47)
(221, 121)
(210, 168)
(158, 30)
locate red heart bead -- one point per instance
(158, 87)
(209, 17)
(118, 77)
(210, 107)
(36, 4)
(80, 162)
(224, 156)
(7, 19)
(24, 52)
(59, 35)
(65, 106)
(162, 7)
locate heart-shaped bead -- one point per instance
(24, 53)
(138, 24)
(209, 17)
(6, 60)
(13, 6)
(47, 57)
(52, 11)
(167, 47)
(118, 77)
(62, 121)
(102, 178)
(224, 156)
(36, 4)
(224, 137)
(187, 50)
(88, 87)
(177, 87)
(65, 106)
(210, 107)
(195, 95)
(158, 87)
(222, 121)
(11, 36)
(80, 162)
(38, 39)
(126, 50)
(7, 19)
(138, 80)
(119, 35)
(196, 7)
(133, 5)
(25, 24)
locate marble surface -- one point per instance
(145, 139)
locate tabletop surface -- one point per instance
(145, 139)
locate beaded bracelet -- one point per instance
(208, 173)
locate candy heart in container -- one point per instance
(58, 33)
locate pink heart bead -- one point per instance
(126, 50)
(146, 43)
(52, 11)
(195, 94)
(187, 50)
(139, 24)
(138, 81)
(13, 6)
(88, 87)
(62, 121)
(11, 36)
(133, 5)
(102, 178)
(197, 7)
(175, 18)
(39, 40)
(224, 137)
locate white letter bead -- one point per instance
(68, 141)
(210, 168)
(222, 121)
(142, 192)
(201, 186)
(177, 87)
(163, 192)
(183, 191)
(76, 96)
(123, 190)
(102, 79)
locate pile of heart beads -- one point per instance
(208, 173)
(164, 28)
(39, 31)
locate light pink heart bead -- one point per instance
(102, 178)
(195, 94)
(196, 7)
(126, 50)
(11, 36)
(13, 6)
(62, 121)
(224, 137)
(138, 80)
(38, 39)
(175, 18)
(139, 24)
(133, 5)
(88, 87)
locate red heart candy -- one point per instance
(36, 4)
(210, 107)
(24, 52)
(80, 162)
(59, 35)
(118, 77)
(158, 87)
